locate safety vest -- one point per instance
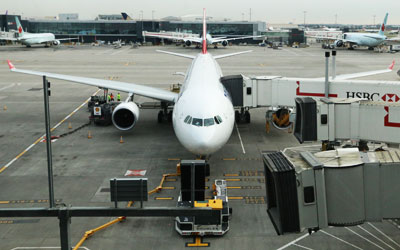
(118, 97)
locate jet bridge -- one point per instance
(312, 189)
(339, 119)
(278, 93)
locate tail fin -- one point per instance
(383, 26)
(19, 27)
(204, 45)
(125, 16)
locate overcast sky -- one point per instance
(280, 11)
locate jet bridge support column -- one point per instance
(327, 74)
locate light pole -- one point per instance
(374, 19)
(152, 14)
(305, 12)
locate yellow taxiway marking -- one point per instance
(231, 175)
(168, 188)
(164, 198)
(198, 242)
(4, 202)
(235, 198)
(234, 187)
(174, 159)
(52, 129)
(229, 159)
(233, 179)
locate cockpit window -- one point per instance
(197, 122)
(217, 119)
(208, 122)
(188, 119)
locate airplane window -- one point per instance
(197, 122)
(208, 122)
(190, 120)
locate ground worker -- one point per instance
(118, 97)
(112, 97)
(108, 98)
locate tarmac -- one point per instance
(83, 167)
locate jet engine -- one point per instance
(125, 115)
(224, 43)
(56, 42)
(338, 43)
(280, 119)
(188, 43)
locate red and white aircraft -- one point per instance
(203, 115)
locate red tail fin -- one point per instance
(204, 48)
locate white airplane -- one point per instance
(361, 39)
(203, 115)
(30, 39)
(189, 40)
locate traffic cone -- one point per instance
(89, 135)
(69, 125)
(5, 107)
(121, 140)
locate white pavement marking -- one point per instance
(397, 244)
(291, 52)
(376, 237)
(51, 130)
(7, 87)
(119, 51)
(362, 237)
(240, 138)
(333, 236)
(293, 242)
(297, 245)
(104, 52)
(20, 248)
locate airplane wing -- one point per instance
(65, 39)
(232, 54)
(362, 74)
(136, 89)
(171, 37)
(8, 38)
(220, 39)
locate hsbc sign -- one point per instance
(365, 95)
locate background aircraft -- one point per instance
(30, 39)
(361, 39)
(189, 40)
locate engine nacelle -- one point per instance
(56, 42)
(188, 43)
(338, 43)
(224, 43)
(281, 119)
(125, 115)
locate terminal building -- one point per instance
(130, 30)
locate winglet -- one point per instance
(391, 66)
(204, 45)
(10, 65)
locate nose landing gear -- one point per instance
(164, 115)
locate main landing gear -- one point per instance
(164, 115)
(242, 116)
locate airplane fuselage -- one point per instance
(36, 38)
(364, 39)
(203, 116)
